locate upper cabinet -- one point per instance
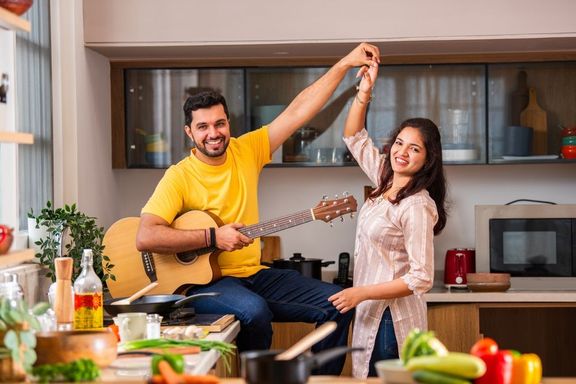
(250, 29)
(484, 110)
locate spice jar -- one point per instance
(153, 326)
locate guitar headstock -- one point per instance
(328, 210)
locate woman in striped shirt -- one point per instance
(394, 250)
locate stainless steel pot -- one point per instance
(307, 267)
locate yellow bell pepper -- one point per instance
(526, 369)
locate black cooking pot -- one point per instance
(307, 267)
(260, 367)
(161, 304)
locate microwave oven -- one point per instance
(535, 243)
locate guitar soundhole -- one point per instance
(188, 257)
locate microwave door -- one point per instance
(531, 247)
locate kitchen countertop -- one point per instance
(136, 369)
(375, 380)
(444, 295)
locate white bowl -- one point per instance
(393, 372)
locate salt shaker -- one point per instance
(153, 326)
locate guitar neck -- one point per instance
(271, 226)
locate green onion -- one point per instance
(226, 350)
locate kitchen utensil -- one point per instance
(68, 346)
(488, 282)
(161, 304)
(308, 341)
(518, 141)
(307, 267)
(569, 151)
(63, 304)
(261, 367)
(535, 117)
(458, 262)
(131, 326)
(137, 295)
(393, 372)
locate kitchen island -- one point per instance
(529, 321)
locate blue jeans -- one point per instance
(279, 295)
(385, 345)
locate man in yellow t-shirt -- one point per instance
(221, 177)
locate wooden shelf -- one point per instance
(16, 257)
(11, 21)
(16, 137)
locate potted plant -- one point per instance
(68, 233)
(17, 338)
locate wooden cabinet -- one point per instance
(543, 328)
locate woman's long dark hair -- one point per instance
(430, 177)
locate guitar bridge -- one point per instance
(149, 266)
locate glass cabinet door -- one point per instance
(154, 98)
(319, 142)
(529, 104)
(453, 96)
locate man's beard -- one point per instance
(217, 153)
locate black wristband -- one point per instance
(212, 237)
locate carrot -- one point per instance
(156, 379)
(200, 379)
(170, 376)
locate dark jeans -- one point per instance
(385, 346)
(279, 295)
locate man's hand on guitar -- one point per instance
(229, 239)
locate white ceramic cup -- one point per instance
(132, 326)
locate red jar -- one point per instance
(569, 151)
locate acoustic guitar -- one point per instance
(176, 272)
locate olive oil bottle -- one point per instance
(88, 305)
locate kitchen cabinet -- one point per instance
(545, 328)
(475, 106)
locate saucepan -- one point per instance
(262, 367)
(161, 304)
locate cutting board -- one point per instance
(535, 117)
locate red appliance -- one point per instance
(458, 262)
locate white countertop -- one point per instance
(443, 295)
(138, 368)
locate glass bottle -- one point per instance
(88, 311)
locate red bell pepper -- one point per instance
(498, 364)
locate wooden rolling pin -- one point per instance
(63, 301)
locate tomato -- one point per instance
(484, 346)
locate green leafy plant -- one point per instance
(75, 371)
(69, 233)
(18, 326)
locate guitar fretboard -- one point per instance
(271, 226)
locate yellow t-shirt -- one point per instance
(229, 191)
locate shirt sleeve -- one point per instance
(418, 222)
(258, 143)
(366, 154)
(166, 201)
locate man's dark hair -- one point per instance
(200, 100)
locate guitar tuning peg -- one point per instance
(324, 197)
(341, 219)
(352, 215)
(336, 196)
(346, 194)
(331, 224)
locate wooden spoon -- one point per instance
(307, 341)
(137, 295)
